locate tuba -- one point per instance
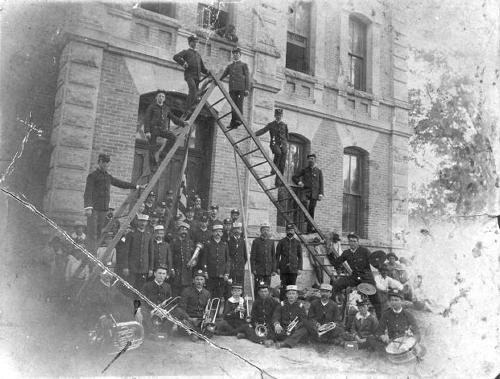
(113, 336)
(325, 328)
(292, 326)
(261, 330)
(208, 322)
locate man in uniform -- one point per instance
(79, 235)
(263, 257)
(193, 302)
(262, 314)
(357, 258)
(323, 311)
(234, 313)
(193, 65)
(364, 326)
(237, 254)
(310, 179)
(216, 263)
(138, 265)
(157, 290)
(198, 210)
(212, 216)
(226, 232)
(278, 131)
(190, 218)
(288, 259)
(285, 313)
(96, 198)
(201, 233)
(157, 122)
(239, 85)
(235, 215)
(162, 255)
(182, 250)
(395, 322)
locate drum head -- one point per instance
(367, 289)
(400, 345)
(377, 258)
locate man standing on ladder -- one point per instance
(310, 179)
(278, 131)
(193, 65)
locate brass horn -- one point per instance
(209, 316)
(325, 328)
(292, 326)
(261, 330)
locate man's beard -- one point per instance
(289, 235)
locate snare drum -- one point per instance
(404, 349)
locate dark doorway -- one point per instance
(199, 156)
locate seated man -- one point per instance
(395, 322)
(259, 330)
(158, 291)
(193, 302)
(289, 320)
(324, 311)
(235, 313)
(363, 327)
(398, 271)
(384, 283)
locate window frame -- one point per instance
(294, 38)
(200, 13)
(160, 3)
(356, 22)
(361, 197)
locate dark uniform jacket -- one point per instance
(238, 76)
(312, 177)
(263, 256)
(216, 258)
(263, 310)
(324, 313)
(139, 252)
(194, 61)
(194, 302)
(158, 118)
(358, 262)
(233, 316)
(289, 255)
(277, 130)
(365, 326)
(201, 236)
(182, 250)
(397, 324)
(162, 255)
(285, 313)
(97, 189)
(155, 292)
(237, 253)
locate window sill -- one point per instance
(301, 76)
(210, 35)
(156, 17)
(358, 93)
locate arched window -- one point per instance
(357, 53)
(355, 191)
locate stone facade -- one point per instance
(111, 54)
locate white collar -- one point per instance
(397, 312)
(323, 304)
(233, 300)
(359, 316)
(158, 283)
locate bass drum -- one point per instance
(404, 349)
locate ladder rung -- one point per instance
(243, 139)
(291, 210)
(264, 177)
(250, 152)
(258, 164)
(271, 189)
(225, 115)
(218, 101)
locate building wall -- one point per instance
(133, 51)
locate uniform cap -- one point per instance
(278, 111)
(192, 38)
(352, 235)
(265, 225)
(290, 226)
(152, 194)
(217, 226)
(227, 221)
(182, 224)
(262, 285)
(79, 223)
(326, 287)
(292, 287)
(237, 225)
(104, 157)
(236, 50)
(395, 292)
(159, 227)
(237, 286)
(161, 91)
(235, 211)
(312, 155)
(199, 273)
(214, 206)
(142, 217)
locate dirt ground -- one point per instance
(39, 339)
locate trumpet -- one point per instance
(194, 259)
(248, 317)
(208, 322)
(261, 330)
(292, 326)
(325, 328)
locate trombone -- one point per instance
(325, 328)
(292, 326)
(165, 310)
(208, 322)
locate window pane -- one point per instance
(166, 9)
(357, 73)
(296, 57)
(345, 175)
(354, 174)
(351, 213)
(357, 36)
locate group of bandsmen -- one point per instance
(193, 267)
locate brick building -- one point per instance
(336, 68)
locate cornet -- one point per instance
(194, 259)
(325, 328)
(261, 330)
(292, 326)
